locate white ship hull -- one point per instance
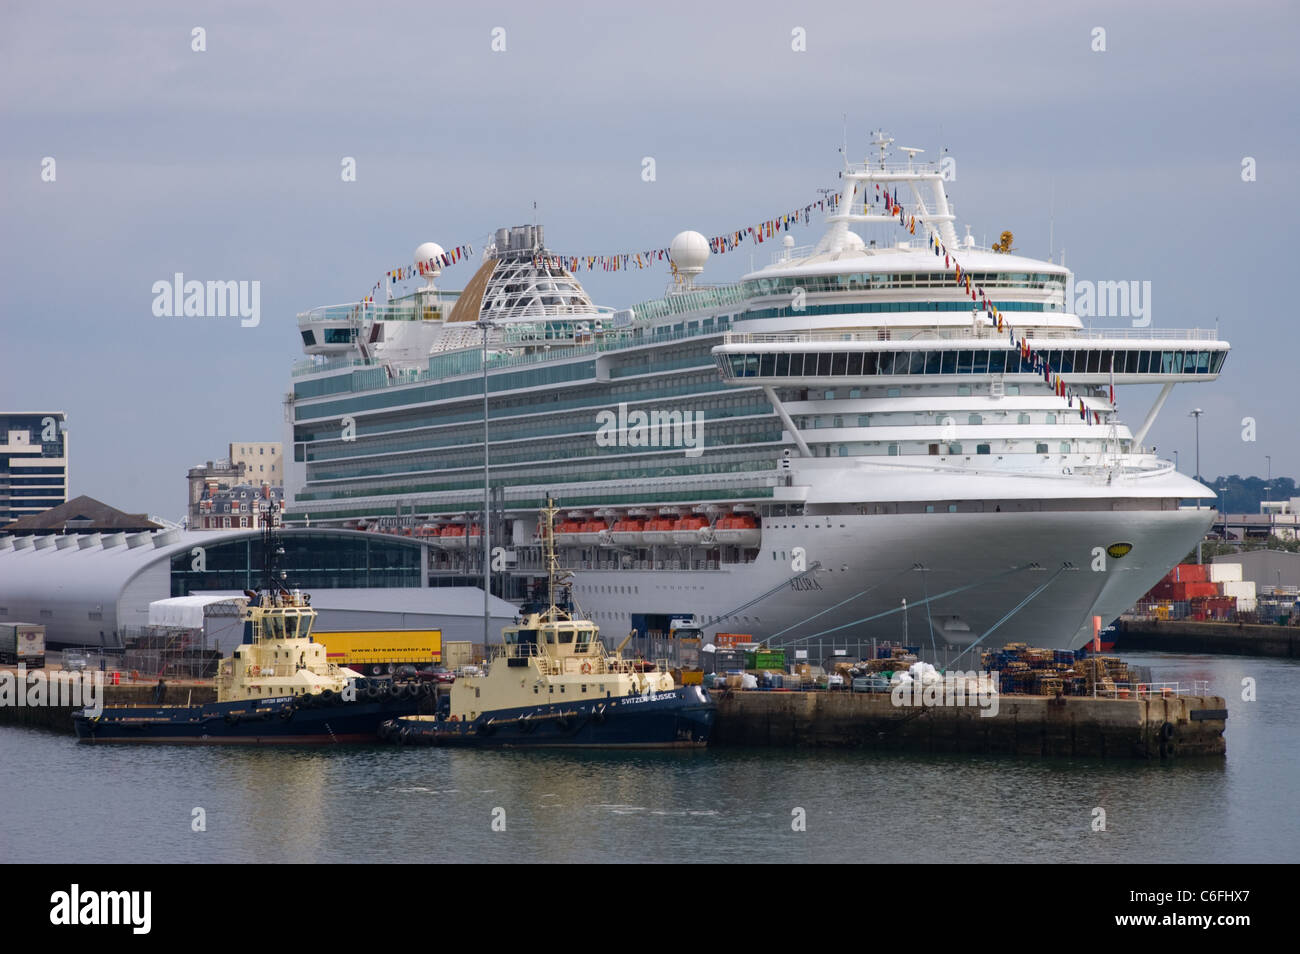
(866, 570)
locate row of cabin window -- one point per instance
(893, 450)
(1008, 361)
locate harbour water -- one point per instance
(78, 804)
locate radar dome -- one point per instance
(429, 251)
(689, 251)
(852, 240)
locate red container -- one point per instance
(1182, 592)
(1191, 573)
(1164, 590)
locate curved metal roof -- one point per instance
(96, 568)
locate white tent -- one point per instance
(186, 612)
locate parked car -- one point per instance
(436, 674)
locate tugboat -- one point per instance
(553, 683)
(277, 687)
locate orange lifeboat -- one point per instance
(628, 533)
(590, 530)
(567, 532)
(659, 531)
(692, 531)
(739, 530)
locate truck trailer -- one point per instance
(23, 643)
(375, 653)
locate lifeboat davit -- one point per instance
(692, 531)
(739, 530)
(628, 533)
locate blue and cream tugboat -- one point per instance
(277, 687)
(553, 683)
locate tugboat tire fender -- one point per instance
(1167, 731)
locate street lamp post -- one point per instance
(1223, 489)
(1268, 493)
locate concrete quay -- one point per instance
(1190, 636)
(1154, 726)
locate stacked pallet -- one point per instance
(1104, 673)
(1030, 671)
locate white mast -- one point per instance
(934, 213)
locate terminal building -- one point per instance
(94, 589)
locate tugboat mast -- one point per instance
(272, 549)
(554, 575)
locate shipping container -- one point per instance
(1190, 573)
(765, 659)
(1225, 572)
(728, 659)
(457, 653)
(1180, 592)
(1240, 589)
(731, 640)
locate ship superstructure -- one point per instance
(793, 455)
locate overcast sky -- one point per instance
(225, 165)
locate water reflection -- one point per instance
(429, 805)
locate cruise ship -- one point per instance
(865, 434)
